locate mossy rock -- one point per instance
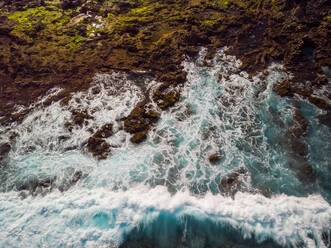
(214, 158)
(99, 147)
(139, 137)
(105, 131)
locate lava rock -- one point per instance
(139, 137)
(214, 158)
(319, 102)
(105, 131)
(70, 4)
(4, 149)
(283, 89)
(99, 147)
(35, 186)
(231, 183)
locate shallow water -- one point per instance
(165, 192)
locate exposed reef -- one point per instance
(97, 144)
(44, 44)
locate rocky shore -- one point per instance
(47, 44)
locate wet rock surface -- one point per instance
(215, 158)
(46, 43)
(97, 144)
(233, 182)
(43, 186)
(4, 150)
(99, 147)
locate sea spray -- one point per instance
(142, 192)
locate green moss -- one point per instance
(26, 21)
(209, 22)
(223, 3)
(4, 12)
(76, 42)
(139, 10)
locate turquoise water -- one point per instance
(165, 192)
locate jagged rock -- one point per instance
(231, 183)
(105, 131)
(214, 158)
(139, 137)
(99, 147)
(283, 89)
(4, 150)
(78, 174)
(36, 185)
(300, 125)
(139, 123)
(319, 102)
(326, 237)
(138, 39)
(79, 118)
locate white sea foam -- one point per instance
(236, 117)
(97, 217)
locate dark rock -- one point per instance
(319, 102)
(77, 176)
(299, 147)
(139, 137)
(326, 237)
(70, 4)
(63, 137)
(79, 118)
(303, 170)
(105, 131)
(99, 147)
(300, 125)
(72, 181)
(283, 89)
(166, 99)
(140, 121)
(231, 183)
(214, 158)
(4, 149)
(321, 80)
(144, 41)
(34, 184)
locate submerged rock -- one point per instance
(233, 182)
(37, 186)
(4, 150)
(325, 119)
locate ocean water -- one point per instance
(165, 192)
